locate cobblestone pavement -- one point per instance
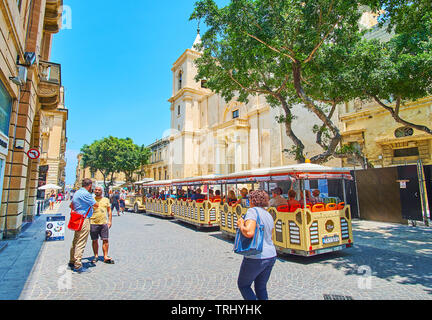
(157, 258)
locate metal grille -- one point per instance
(213, 214)
(344, 229)
(313, 230)
(336, 297)
(279, 231)
(222, 218)
(294, 233)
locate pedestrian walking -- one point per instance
(59, 197)
(116, 202)
(100, 226)
(257, 268)
(122, 201)
(84, 204)
(52, 200)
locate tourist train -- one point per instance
(304, 228)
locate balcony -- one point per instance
(53, 16)
(50, 84)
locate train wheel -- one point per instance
(136, 209)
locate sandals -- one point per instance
(109, 261)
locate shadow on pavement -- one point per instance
(194, 227)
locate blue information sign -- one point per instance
(55, 227)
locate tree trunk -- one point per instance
(310, 104)
(290, 133)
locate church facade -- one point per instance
(212, 136)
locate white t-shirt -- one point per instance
(269, 250)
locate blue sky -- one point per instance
(116, 68)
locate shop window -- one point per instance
(406, 152)
(404, 132)
(5, 110)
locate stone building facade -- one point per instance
(213, 136)
(158, 166)
(53, 145)
(30, 84)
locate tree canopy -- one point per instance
(113, 155)
(314, 53)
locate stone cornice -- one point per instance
(258, 111)
(188, 53)
(234, 123)
(376, 109)
(420, 137)
(353, 132)
(187, 90)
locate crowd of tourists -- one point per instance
(276, 196)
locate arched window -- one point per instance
(404, 132)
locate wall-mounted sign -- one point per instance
(402, 183)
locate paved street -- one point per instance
(163, 259)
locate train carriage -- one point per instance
(307, 230)
(202, 213)
(158, 207)
(304, 229)
(136, 201)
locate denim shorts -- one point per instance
(99, 230)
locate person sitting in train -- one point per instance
(244, 199)
(211, 195)
(182, 194)
(316, 197)
(277, 199)
(161, 195)
(197, 195)
(217, 195)
(308, 197)
(292, 198)
(231, 197)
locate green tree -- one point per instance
(314, 53)
(270, 47)
(101, 156)
(131, 157)
(113, 155)
(400, 70)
